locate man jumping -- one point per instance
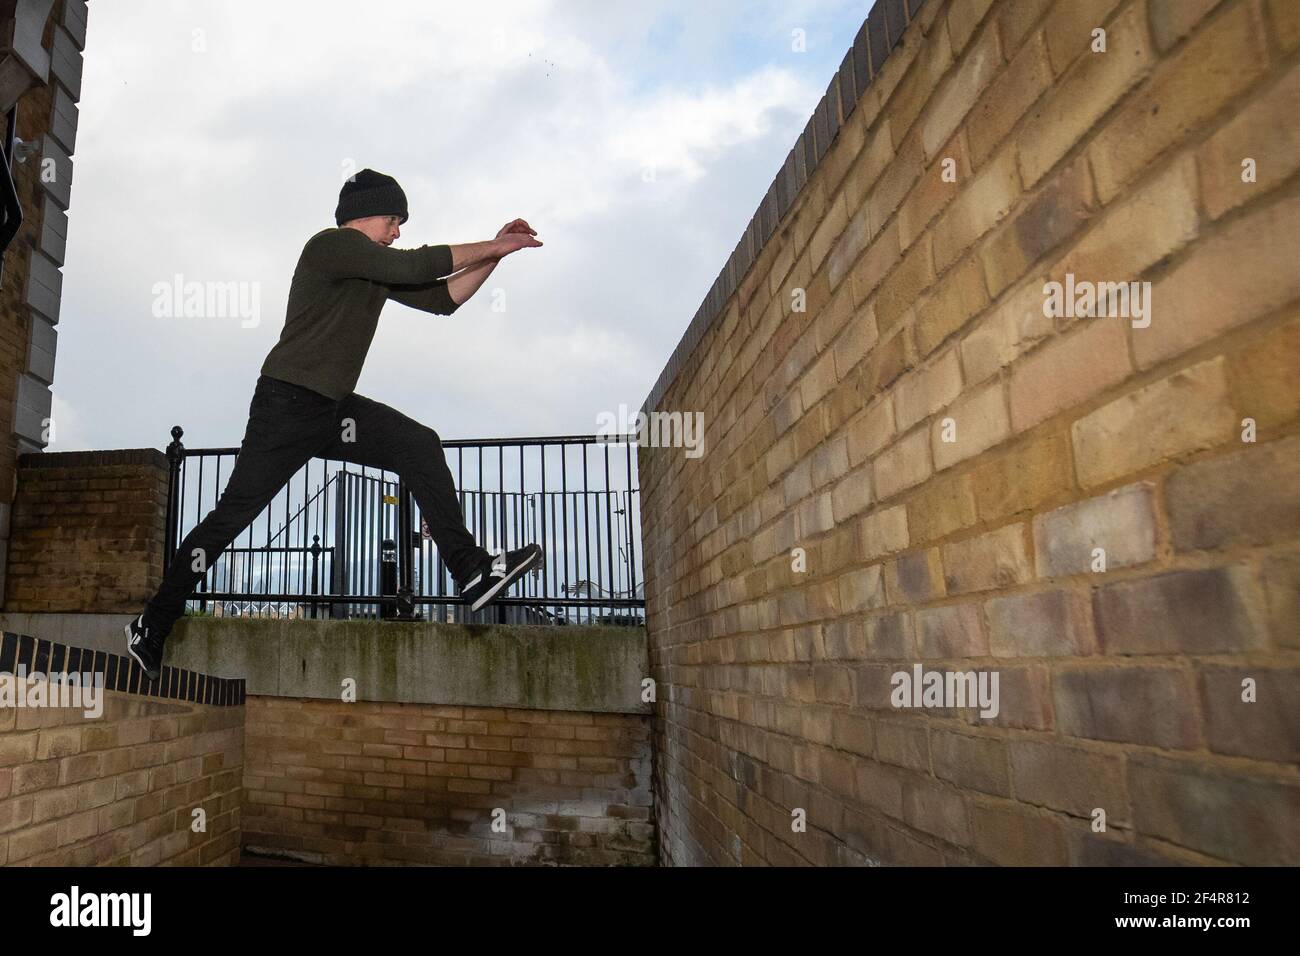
(304, 405)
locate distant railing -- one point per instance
(344, 541)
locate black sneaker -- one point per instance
(495, 576)
(145, 646)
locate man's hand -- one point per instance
(517, 225)
(514, 235)
(512, 242)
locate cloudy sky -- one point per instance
(636, 138)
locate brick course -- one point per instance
(368, 784)
(85, 791)
(88, 531)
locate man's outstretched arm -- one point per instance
(468, 255)
(446, 295)
(514, 235)
(465, 283)
(347, 253)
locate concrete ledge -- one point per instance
(590, 669)
(593, 669)
(99, 632)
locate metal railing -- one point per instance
(344, 541)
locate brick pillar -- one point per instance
(88, 531)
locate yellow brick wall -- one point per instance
(379, 784)
(1121, 688)
(121, 788)
(88, 533)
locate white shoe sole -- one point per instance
(510, 578)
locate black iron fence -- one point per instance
(344, 541)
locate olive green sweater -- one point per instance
(340, 286)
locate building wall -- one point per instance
(120, 787)
(32, 281)
(832, 535)
(367, 784)
(88, 531)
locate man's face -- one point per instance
(382, 229)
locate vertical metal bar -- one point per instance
(520, 534)
(266, 559)
(345, 522)
(609, 523)
(368, 583)
(374, 542)
(556, 593)
(501, 494)
(322, 522)
(313, 526)
(357, 569)
(359, 540)
(546, 544)
(284, 537)
(586, 525)
(307, 500)
(198, 502)
(529, 505)
(631, 547)
(423, 565)
(248, 561)
(319, 523)
(564, 513)
(343, 519)
(366, 533)
(218, 485)
(339, 563)
(460, 490)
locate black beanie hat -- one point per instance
(369, 193)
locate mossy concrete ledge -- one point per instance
(594, 669)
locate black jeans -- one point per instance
(288, 425)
